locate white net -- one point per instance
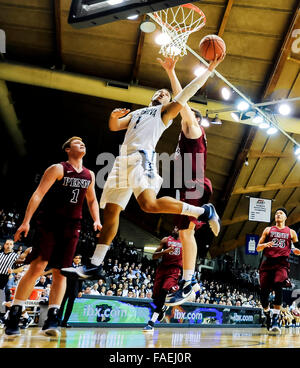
(177, 24)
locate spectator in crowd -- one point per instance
(102, 290)
(43, 282)
(94, 290)
(87, 291)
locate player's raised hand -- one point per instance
(168, 63)
(119, 113)
(213, 64)
(24, 228)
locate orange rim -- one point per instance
(189, 6)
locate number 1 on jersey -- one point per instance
(75, 196)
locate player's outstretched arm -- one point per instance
(53, 173)
(93, 203)
(189, 122)
(261, 244)
(171, 110)
(119, 119)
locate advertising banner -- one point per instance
(109, 311)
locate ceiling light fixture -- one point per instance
(132, 17)
(284, 109)
(205, 121)
(264, 125)
(272, 130)
(147, 26)
(226, 93)
(243, 106)
(257, 119)
(114, 2)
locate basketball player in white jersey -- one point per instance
(134, 171)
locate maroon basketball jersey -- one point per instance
(282, 242)
(175, 256)
(194, 150)
(65, 197)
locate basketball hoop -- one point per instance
(177, 24)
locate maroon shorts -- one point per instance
(166, 278)
(198, 199)
(55, 242)
(273, 271)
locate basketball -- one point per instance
(211, 46)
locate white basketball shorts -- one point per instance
(131, 174)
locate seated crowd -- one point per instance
(125, 273)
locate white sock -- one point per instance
(190, 210)
(99, 254)
(187, 274)
(53, 306)
(154, 317)
(19, 302)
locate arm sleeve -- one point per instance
(191, 89)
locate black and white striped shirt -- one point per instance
(6, 261)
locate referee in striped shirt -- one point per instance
(7, 259)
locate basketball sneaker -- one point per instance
(181, 295)
(51, 325)
(83, 272)
(12, 322)
(211, 217)
(162, 313)
(26, 322)
(275, 327)
(149, 327)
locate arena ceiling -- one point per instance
(58, 81)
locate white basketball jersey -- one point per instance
(144, 130)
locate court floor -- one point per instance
(160, 338)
